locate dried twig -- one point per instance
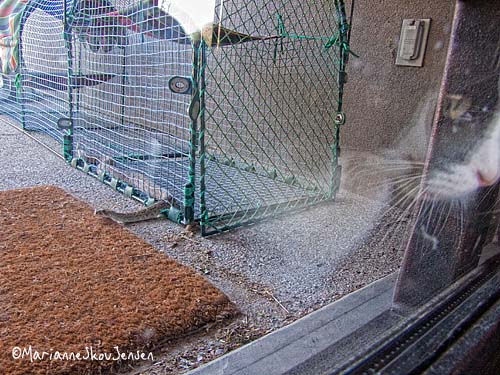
(270, 294)
(142, 255)
(277, 301)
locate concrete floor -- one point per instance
(275, 271)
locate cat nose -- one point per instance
(487, 177)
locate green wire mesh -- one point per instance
(269, 123)
(232, 123)
(31, 93)
(42, 93)
(131, 127)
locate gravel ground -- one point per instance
(275, 271)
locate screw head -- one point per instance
(340, 118)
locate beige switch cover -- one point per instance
(413, 41)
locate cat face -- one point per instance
(479, 168)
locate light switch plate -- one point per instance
(413, 42)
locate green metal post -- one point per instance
(344, 53)
(194, 112)
(68, 137)
(203, 205)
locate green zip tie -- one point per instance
(129, 191)
(188, 189)
(114, 183)
(249, 168)
(101, 175)
(282, 33)
(173, 214)
(188, 195)
(18, 82)
(272, 174)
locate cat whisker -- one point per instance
(406, 179)
(401, 202)
(490, 212)
(443, 218)
(403, 162)
(430, 215)
(414, 199)
(457, 206)
(382, 165)
(376, 168)
(427, 229)
(361, 163)
(403, 182)
(387, 180)
(404, 217)
(489, 190)
(363, 169)
(462, 219)
(403, 192)
(497, 201)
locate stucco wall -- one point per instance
(385, 102)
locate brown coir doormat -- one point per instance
(79, 293)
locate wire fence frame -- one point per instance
(271, 173)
